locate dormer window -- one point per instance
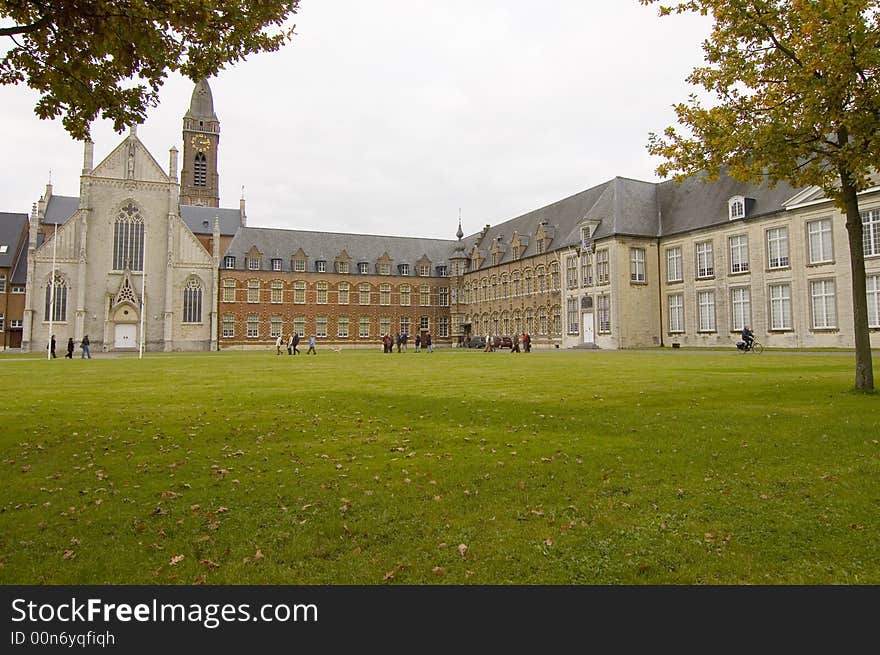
(276, 264)
(586, 238)
(299, 265)
(229, 262)
(516, 251)
(363, 268)
(541, 245)
(738, 206)
(403, 269)
(424, 270)
(384, 269)
(321, 266)
(253, 263)
(442, 271)
(496, 258)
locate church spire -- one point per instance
(199, 177)
(201, 105)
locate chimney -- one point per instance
(241, 208)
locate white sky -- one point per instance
(387, 117)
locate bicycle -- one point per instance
(757, 347)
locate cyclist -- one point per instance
(748, 337)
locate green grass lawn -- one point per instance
(456, 467)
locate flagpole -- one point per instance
(52, 293)
(143, 291)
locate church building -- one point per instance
(132, 262)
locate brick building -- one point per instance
(345, 289)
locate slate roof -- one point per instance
(278, 243)
(60, 209)
(200, 220)
(630, 207)
(19, 272)
(12, 226)
(696, 204)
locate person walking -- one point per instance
(488, 347)
(290, 344)
(398, 341)
(528, 342)
(515, 347)
(51, 346)
(296, 343)
(278, 345)
(311, 350)
(70, 347)
(403, 339)
(85, 348)
(428, 347)
(418, 342)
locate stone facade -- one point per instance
(127, 225)
(624, 264)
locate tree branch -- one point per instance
(26, 29)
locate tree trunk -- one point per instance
(864, 365)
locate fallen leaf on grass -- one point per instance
(68, 554)
(176, 560)
(438, 571)
(462, 549)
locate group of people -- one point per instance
(400, 340)
(525, 339)
(293, 345)
(84, 344)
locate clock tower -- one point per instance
(199, 181)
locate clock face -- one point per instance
(201, 142)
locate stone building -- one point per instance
(624, 264)
(120, 262)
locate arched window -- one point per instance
(517, 289)
(192, 301)
(505, 322)
(56, 298)
(128, 239)
(200, 170)
(557, 320)
(517, 321)
(530, 320)
(505, 286)
(542, 320)
(542, 279)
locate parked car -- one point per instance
(503, 342)
(475, 342)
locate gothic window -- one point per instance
(128, 239)
(200, 170)
(56, 298)
(192, 301)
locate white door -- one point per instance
(126, 336)
(588, 327)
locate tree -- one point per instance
(110, 57)
(798, 99)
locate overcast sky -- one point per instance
(387, 117)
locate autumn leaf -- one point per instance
(176, 559)
(439, 571)
(462, 549)
(69, 554)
